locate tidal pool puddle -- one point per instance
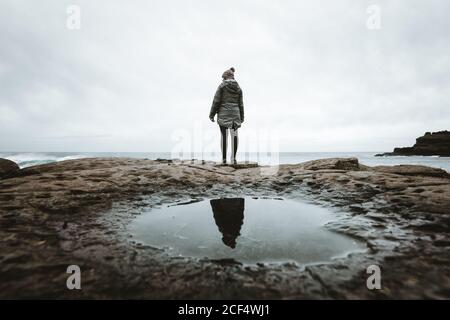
(245, 229)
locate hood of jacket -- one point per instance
(231, 86)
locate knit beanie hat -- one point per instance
(229, 74)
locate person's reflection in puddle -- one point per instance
(229, 216)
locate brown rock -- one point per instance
(8, 168)
(413, 170)
(76, 211)
(332, 163)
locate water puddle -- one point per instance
(245, 229)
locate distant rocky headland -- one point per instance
(430, 144)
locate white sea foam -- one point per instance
(28, 159)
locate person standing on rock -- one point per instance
(229, 107)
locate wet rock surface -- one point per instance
(8, 168)
(76, 212)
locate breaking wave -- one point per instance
(29, 159)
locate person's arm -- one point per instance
(216, 103)
(241, 106)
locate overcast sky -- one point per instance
(313, 74)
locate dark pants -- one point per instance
(234, 142)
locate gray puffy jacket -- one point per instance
(228, 105)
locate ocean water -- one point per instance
(27, 159)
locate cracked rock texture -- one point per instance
(77, 211)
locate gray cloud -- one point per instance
(137, 71)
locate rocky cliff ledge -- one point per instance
(8, 168)
(76, 212)
(430, 144)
